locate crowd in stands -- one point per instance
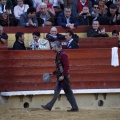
(59, 12)
(65, 13)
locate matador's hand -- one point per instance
(61, 78)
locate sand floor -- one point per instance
(40, 114)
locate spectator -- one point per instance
(28, 18)
(3, 3)
(71, 43)
(49, 7)
(44, 17)
(95, 31)
(78, 5)
(19, 43)
(20, 8)
(58, 5)
(39, 43)
(112, 14)
(115, 33)
(29, 3)
(102, 7)
(68, 3)
(7, 19)
(3, 35)
(84, 17)
(117, 2)
(96, 11)
(54, 35)
(66, 19)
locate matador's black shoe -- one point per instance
(73, 110)
(45, 107)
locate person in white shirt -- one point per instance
(20, 8)
(39, 43)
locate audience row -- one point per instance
(39, 43)
(44, 13)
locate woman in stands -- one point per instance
(39, 43)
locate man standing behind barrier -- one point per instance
(62, 74)
(19, 43)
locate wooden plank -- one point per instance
(49, 54)
(46, 29)
(4, 46)
(50, 62)
(49, 86)
(99, 42)
(73, 77)
(75, 69)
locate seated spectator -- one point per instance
(115, 33)
(102, 7)
(20, 8)
(96, 11)
(58, 5)
(19, 43)
(66, 19)
(3, 3)
(29, 3)
(3, 35)
(117, 2)
(44, 16)
(39, 43)
(29, 18)
(54, 35)
(112, 14)
(78, 5)
(7, 19)
(84, 17)
(68, 3)
(95, 31)
(49, 7)
(71, 43)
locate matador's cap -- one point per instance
(56, 43)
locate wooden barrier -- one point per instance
(80, 31)
(100, 42)
(3, 46)
(89, 68)
(46, 29)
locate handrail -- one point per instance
(46, 29)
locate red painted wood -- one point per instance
(73, 77)
(107, 42)
(89, 68)
(46, 29)
(3, 46)
(49, 54)
(49, 86)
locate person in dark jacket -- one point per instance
(8, 19)
(84, 17)
(19, 43)
(112, 15)
(66, 19)
(95, 31)
(54, 35)
(71, 43)
(28, 19)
